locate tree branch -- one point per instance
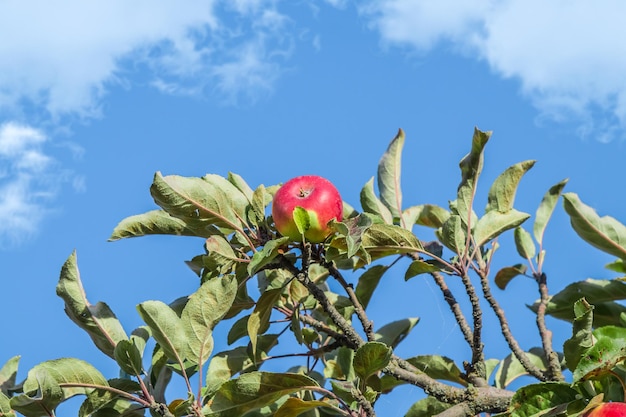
(554, 365)
(506, 330)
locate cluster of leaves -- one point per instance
(347, 364)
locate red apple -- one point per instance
(608, 410)
(317, 196)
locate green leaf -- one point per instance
(608, 350)
(238, 330)
(211, 199)
(259, 320)
(384, 239)
(371, 358)
(371, 204)
(494, 223)
(428, 215)
(530, 400)
(301, 219)
(618, 266)
(260, 199)
(266, 255)
(605, 233)
(510, 368)
(166, 327)
(506, 274)
(368, 282)
(463, 205)
(581, 339)
(353, 230)
(545, 210)
(453, 234)
(393, 333)
(52, 382)
(253, 391)
(128, 357)
(600, 293)
(97, 320)
(205, 308)
(224, 365)
(471, 165)
(5, 406)
(389, 175)
(8, 374)
(502, 192)
(295, 406)
(427, 407)
(524, 243)
(418, 267)
(241, 184)
(438, 367)
(157, 222)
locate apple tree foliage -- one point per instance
(272, 290)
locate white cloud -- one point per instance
(569, 55)
(28, 178)
(62, 56)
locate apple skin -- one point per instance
(317, 196)
(608, 410)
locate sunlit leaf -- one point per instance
(605, 233)
(389, 239)
(608, 350)
(259, 320)
(427, 407)
(353, 230)
(97, 320)
(506, 274)
(205, 308)
(438, 367)
(265, 256)
(52, 382)
(371, 358)
(294, 407)
(5, 406)
(545, 210)
(166, 328)
(600, 293)
(389, 175)
(502, 192)
(241, 184)
(581, 339)
(224, 365)
(158, 222)
(471, 165)
(128, 357)
(524, 243)
(254, 390)
(372, 204)
(418, 267)
(532, 399)
(511, 368)
(8, 374)
(429, 215)
(210, 199)
(494, 223)
(368, 282)
(393, 333)
(618, 266)
(453, 234)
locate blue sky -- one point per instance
(95, 97)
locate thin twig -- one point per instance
(478, 357)
(554, 366)
(368, 325)
(506, 331)
(454, 307)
